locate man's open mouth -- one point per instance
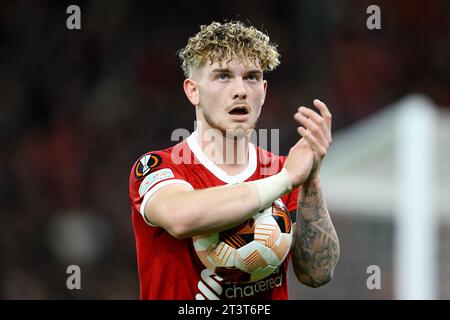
(239, 110)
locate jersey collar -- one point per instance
(214, 169)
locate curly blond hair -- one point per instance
(219, 42)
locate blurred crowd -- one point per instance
(78, 107)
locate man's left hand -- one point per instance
(316, 130)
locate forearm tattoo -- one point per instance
(316, 249)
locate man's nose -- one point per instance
(239, 91)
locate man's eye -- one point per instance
(252, 77)
(223, 76)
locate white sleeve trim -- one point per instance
(152, 191)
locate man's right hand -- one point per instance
(299, 162)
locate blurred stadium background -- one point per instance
(77, 108)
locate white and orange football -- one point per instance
(251, 251)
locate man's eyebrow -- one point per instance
(226, 70)
(221, 70)
(254, 71)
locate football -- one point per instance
(251, 251)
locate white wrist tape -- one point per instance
(271, 188)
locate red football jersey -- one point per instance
(168, 267)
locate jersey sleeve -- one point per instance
(151, 172)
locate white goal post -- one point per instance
(396, 164)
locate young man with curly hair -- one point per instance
(174, 201)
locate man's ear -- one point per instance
(265, 91)
(190, 87)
